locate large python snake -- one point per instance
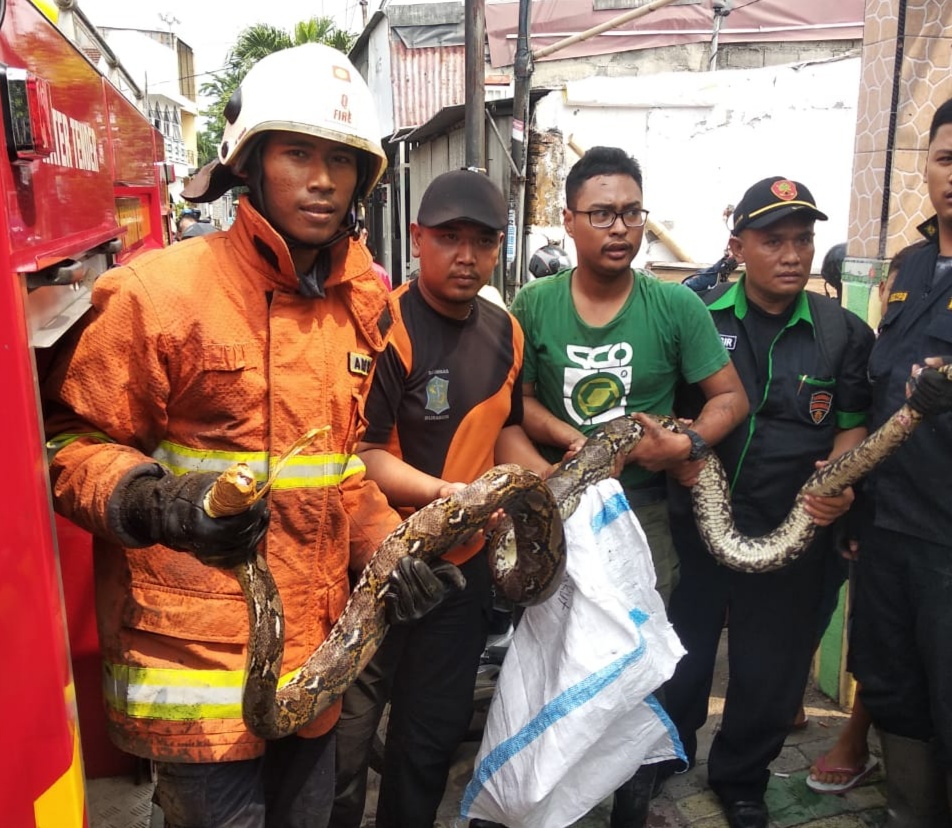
(528, 574)
(527, 557)
(712, 505)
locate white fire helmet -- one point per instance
(312, 89)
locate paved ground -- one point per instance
(685, 802)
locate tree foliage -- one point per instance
(254, 43)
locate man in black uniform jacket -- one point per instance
(802, 360)
(902, 627)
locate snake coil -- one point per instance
(527, 557)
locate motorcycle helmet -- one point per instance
(548, 260)
(338, 106)
(832, 269)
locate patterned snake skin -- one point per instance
(528, 575)
(776, 549)
(526, 554)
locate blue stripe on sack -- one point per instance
(612, 509)
(638, 616)
(560, 707)
(662, 714)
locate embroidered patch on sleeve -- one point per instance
(821, 402)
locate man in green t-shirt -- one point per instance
(603, 340)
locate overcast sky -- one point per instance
(210, 27)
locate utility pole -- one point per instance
(475, 115)
(522, 81)
(722, 8)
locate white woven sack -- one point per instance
(573, 716)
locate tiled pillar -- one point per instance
(907, 72)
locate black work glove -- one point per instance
(930, 391)
(416, 587)
(169, 510)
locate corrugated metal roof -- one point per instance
(453, 116)
(425, 81)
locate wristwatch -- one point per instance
(699, 447)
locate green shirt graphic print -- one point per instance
(587, 375)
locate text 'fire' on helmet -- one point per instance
(311, 89)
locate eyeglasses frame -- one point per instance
(615, 216)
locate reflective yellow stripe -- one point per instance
(175, 695)
(314, 471)
(63, 440)
(63, 804)
(181, 459)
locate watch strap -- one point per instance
(699, 446)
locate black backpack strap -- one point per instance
(829, 323)
(716, 292)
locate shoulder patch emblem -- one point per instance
(359, 363)
(897, 296)
(821, 403)
(437, 395)
(729, 341)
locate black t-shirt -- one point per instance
(444, 388)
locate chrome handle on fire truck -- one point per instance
(66, 273)
(58, 295)
(112, 247)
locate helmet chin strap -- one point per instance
(312, 282)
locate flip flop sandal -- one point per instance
(856, 775)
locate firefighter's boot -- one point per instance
(916, 794)
(632, 799)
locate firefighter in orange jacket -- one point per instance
(222, 349)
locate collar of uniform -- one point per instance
(264, 250)
(736, 297)
(930, 229)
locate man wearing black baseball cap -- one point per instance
(462, 195)
(802, 360)
(772, 199)
(445, 406)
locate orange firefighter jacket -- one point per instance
(197, 357)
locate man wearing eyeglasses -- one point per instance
(604, 340)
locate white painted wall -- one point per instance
(703, 138)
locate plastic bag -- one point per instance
(573, 716)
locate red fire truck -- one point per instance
(82, 187)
